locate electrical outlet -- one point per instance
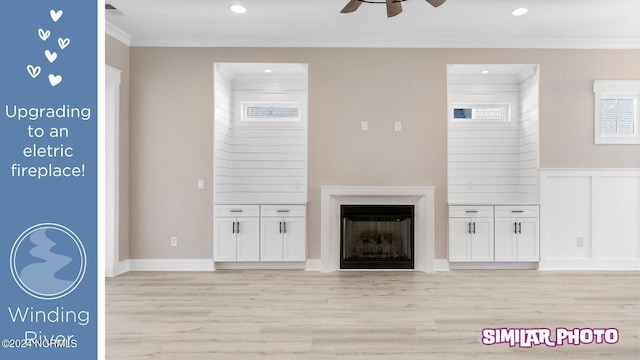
(364, 125)
(174, 241)
(580, 242)
(398, 126)
(200, 184)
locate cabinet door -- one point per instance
(294, 239)
(224, 240)
(459, 239)
(528, 239)
(271, 239)
(482, 240)
(248, 239)
(505, 246)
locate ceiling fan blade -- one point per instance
(436, 3)
(393, 8)
(352, 6)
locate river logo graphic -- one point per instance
(48, 261)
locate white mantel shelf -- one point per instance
(422, 197)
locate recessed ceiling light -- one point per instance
(238, 9)
(484, 72)
(267, 71)
(519, 11)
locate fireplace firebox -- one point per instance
(376, 237)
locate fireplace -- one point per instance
(377, 237)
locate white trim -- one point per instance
(395, 43)
(441, 265)
(118, 269)
(260, 265)
(171, 265)
(117, 33)
(422, 197)
(616, 90)
(592, 260)
(313, 265)
(588, 264)
(109, 127)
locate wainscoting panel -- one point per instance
(590, 219)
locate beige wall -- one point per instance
(117, 55)
(172, 113)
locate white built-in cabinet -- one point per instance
(493, 163)
(251, 233)
(260, 164)
(517, 234)
(494, 233)
(282, 233)
(471, 233)
(237, 233)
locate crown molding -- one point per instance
(117, 33)
(393, 43)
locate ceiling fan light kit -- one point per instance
(394, 7)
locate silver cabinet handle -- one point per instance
(233, 227)
(280, 227)
(235, 211)
(520, 228)
(284, 227)
(471, 211)
(515, 227)
(237, 227)
(517, 211)
(474, 227)
(282, 211)
(469, 231)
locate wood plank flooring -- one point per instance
(292, 314)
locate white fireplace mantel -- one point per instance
(422, 197)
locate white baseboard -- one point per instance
(260, 265)
(493, 266)
(590, 264)
(313, 265)
(441, 264)
(117, 269)
(171, 265)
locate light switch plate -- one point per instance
(364, 125)
(398, 126)
(201, 184)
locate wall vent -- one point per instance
(112, 10)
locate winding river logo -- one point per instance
(48, 261)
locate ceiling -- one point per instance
(318, 23)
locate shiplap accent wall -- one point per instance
(223, 143)
(529, 141)
(261, 162)
(494, 162)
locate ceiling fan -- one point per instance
(393, 6)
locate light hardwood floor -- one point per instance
(363, 315)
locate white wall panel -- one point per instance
(566, 216)
(618, 212)
(601, 206)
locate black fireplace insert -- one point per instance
(376, 237)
